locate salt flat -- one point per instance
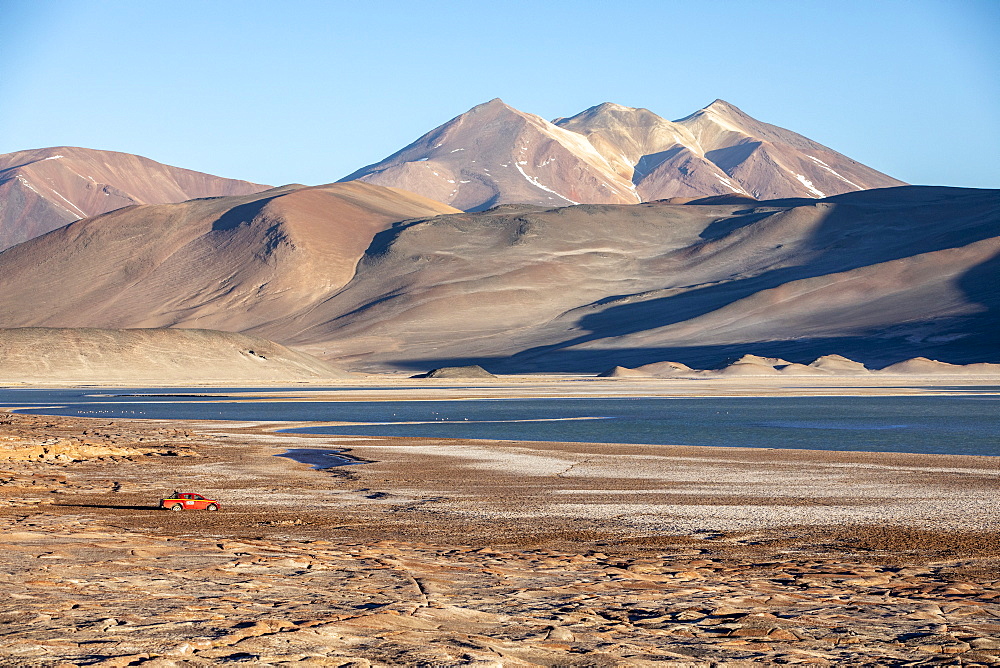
(451, 552)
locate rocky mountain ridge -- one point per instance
(44, 189)
(611, 154)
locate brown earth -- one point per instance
(441, 552)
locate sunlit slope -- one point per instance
(229, 263)
(495, 154)
(151, 355)
(43, 189)
(374, 278)
(612, 154)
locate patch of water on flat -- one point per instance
(318, 458)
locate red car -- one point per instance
(189, 501)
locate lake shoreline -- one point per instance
(519, 553)
(849, 416)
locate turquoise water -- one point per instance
(968, 425)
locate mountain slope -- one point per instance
(34, 355)
(879, 275)
(374, 278)
(771, 162)
(228, 263)
(43, 189)
(611, 154)
(494, 154)
(661, 158)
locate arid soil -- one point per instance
(451, 553)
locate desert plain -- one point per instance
(449, 552)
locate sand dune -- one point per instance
(921, 366)
(827, 366)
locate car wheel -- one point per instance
(211, 506)
(177, 506)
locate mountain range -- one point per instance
(492, 154)
(611, 154)
(43, 189)
(609, 238)
(375, 278)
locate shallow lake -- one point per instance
(968, 425)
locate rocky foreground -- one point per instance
(358, 567)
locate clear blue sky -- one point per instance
(307, 92)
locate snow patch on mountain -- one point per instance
(809, 186)
(535, 182)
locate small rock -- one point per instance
(560, 634)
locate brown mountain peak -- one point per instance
(611, 153)
(496, 105)
(611, 107)
(719, 105)
(46, 188)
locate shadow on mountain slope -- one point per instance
(244, 213)
(980, 286)
(876, 351)
(850, 237)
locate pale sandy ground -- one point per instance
(449, 552)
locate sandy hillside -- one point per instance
(877, 276)
(229, 263)
(158, 356)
